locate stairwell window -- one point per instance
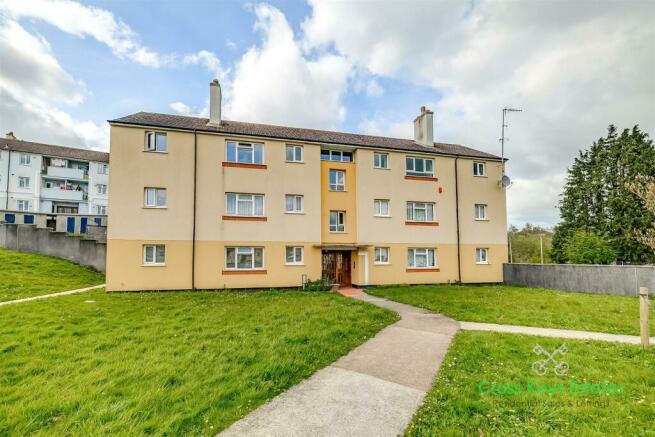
(480, 211)
(422, 167)
(294, 255)
(23, 182)
(244, 258)
(420, 212)
(154, 255)
(336, 155)
(156, 142)
(381, 207)
(337, 180)
(23, 205)
(481, 255)
(25, 159)
(478, 169)
(244, 153)
(337, 221)
(421, 258)
(294, 153)
(381, 160)
(155, 197)
(244, 205)
(293, 203)
(381, 255)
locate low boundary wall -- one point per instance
(600, 279)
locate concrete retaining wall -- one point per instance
(29, 238)
(620, 280)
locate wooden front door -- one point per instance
(336, 267)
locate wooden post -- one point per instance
(643, 316)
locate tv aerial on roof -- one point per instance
(505, 181)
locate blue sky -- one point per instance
(66, 67)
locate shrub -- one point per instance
(318, 285)
(586, 248)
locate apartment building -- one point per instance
(37, 177)
(214, 204)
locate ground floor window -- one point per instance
(481, 254)
(294, 255)
(381, 255)
(101, 209)
(244, 258)
(421, 258)
(154, 254)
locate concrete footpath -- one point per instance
(46, 296)
(374, 390)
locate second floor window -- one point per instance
(244, 205)
(23, 205)
(381, 160)
(478, 169)
(293, 203)
(155, 198)
(422, 167)
(101, 189)
(420, 212)
(293, 153)
(337, 180)
(156, 142)
(23, 182)
(337, 221)
(244, 153)
(480, 211)
(25, 159)
(381, 207)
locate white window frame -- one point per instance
(420, 206)
(415, 173)
(378, 258)
(245, 198)
(153, 261)
(479, 257)
(297, 260)
(294, 153)
(337, 153)
(101, 209)
(103, 169)
(244, 250)
(479, 169)
(340, 225)
(23, 182)
(25, 159)
(23, 205)
(377, 207)
(297, 198)
(156, 204)
(101, 188)
(153, 144)
(377, 160)
(480, 207)
(338, 185)
(412, 253)
(253, 147)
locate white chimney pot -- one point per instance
(214, 103)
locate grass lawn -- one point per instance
(477, 390)
(176, 363)
(512, 305)
(29, 274)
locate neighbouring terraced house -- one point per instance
(212, 203)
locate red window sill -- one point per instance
(245, 219)
(408, 223)
(241, 165)
(422, 270)
(244, 272)
(421, 178)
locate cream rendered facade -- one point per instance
(195, 231)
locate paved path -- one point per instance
(551, 332)
(372, 391)
(46, 296)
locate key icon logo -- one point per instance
(560, 367)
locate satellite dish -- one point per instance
(505, 181)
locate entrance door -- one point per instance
(336, 267)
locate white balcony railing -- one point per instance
(65, 172)
(60, 194)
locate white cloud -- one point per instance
(207, 59)
(180, 108)
(230, 44)
(374, 89)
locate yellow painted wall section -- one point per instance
(483, 273)
(339, 201)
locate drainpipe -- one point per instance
(459, 263)
(193, 237)
(8, 178)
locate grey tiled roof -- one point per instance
(54, 151)
(151, 119)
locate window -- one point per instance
(480, 212)
(103, 169)
(156, 142)
(422, 167)
(244, 258)
(420, 212)
(293, 203)
(23, 182)
(294, 153)
(381, 160)
(155, 197)
(337, 221)
(23, 205)
(154, 254)
(294, 255)
(336, 155)
(478, 169)
(481, 255)
(101, 210)
(101, 189)
(381, 207)
(381, 255)
(245, 153)
(25, 159)
(244, 205)
(420, 258)
(337, 180)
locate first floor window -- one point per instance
(23, 205)
(101, 209)
(481, 255)
(293, 203)
(101, 189)
(381, 207)
(25, 159)
(480, 211)
(380, 160)
(294, 255)
(478, 169)
(154, 254)
(337, 221)
(155, 197)
(156, 142)
(294, 153)
(420, 212)
(337, 180)
(244, 258)
(421, 258)
(244, 205)
(23, 182)
(244, 153)
(381, 255)
(423, 167)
